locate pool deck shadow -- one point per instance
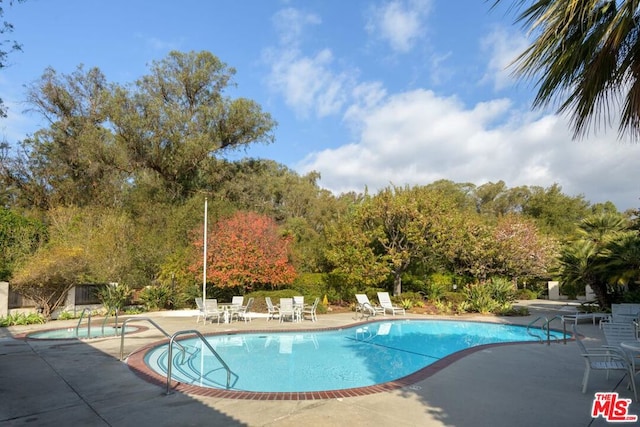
(52, 382)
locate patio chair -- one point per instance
(201, 313)
(365, 308)
(243, 312)
(606, 359)
(211, 310)
(285, 309)
(272, 310)
(311, 310)
(387, 305)
(617, 333)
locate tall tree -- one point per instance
(584, 58)
(73, 161)
(174, 120)
(394, 228)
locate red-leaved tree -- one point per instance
(246, 250)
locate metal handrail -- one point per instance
(564, 329)
(131, 319)
(205, 342)
(106, 317)
(88, 320)
(529, 327)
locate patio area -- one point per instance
(49, 383)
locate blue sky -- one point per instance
(368, 93)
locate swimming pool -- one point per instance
(81, 333)
(357, 357)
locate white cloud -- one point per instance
(290, 24)
(503, 47)
(399, 23)
(417, 137)
(308, 83)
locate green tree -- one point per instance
(598, 257)
(174, 120)
(49, 274)
(554, 212)
(20, 237)
(396, 227)
(74, 160)
(583, 58)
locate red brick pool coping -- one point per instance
(140, 368)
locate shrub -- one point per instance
(526, 294)
(454, 298)
(501, 290)
(21, 319)
(156, 297)
(436, 291)
(114, 297)
(66, 315)
(406, 303)
(480, 299)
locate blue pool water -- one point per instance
(82, 333)
(358, 356)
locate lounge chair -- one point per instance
(365, 308)
(285, 309)
(387, 305)
(272, 310)
(311, 310)
(605, 359)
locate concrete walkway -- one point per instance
(83, 383)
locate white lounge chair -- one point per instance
(605, 359)
(387, 305)
(365, 308)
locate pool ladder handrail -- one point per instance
(148, 319)
(88, 322)
(206, 343)
(545, 326)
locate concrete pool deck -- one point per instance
(56, 382)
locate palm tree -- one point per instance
(584, 58)
(605, 256)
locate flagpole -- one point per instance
(204, 263)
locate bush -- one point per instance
(501, 290)
(114, 297)
(454, 298)
(480, 299)
(66, 315)
(21, 319)
(526, 294)
(157, 297)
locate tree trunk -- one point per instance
(600, 289)
(397, 284)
